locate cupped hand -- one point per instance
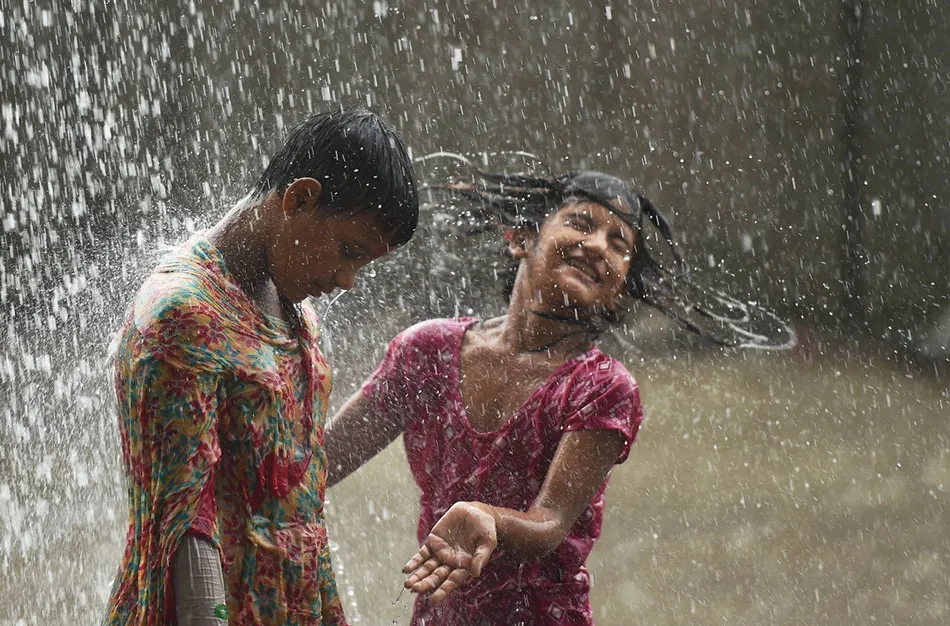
(457, 548)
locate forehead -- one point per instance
(600, 214)
(364, 231)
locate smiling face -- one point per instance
(579, 260)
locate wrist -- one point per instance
(486, 508)
(496, 514)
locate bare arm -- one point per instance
(580, 467)
(354, 436)
(463, 539)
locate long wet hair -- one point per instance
(525, 202)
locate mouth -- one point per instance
(585, 269)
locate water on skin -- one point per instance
(764, 488)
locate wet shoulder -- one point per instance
(434, 335)
(184, 286)
(172, 298)
(597, 371)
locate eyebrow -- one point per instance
(590, 221)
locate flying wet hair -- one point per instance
(361, 163)
(524, 201)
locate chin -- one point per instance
(569, 301)
(295, 297)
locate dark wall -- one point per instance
(143, 116)
(905, 143)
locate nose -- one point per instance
(597, 242)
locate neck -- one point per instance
(531, 327)
(240, 238)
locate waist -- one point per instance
(511, 601)
(542, 577)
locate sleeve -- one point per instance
(173, 465)
(207, 515)
(198, 584)
(609, 400)
(388, 388)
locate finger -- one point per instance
(455, 580)
(421, 557)
(482, 553)
(421, 572)
(433, 580)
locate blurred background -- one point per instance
(799, 148)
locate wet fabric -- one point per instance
(216, 398)
(418, 382)
(199, 584)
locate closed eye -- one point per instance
(619, 242)
(581, 222)
(354, 253)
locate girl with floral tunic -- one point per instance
(222, 390)
(512, 425)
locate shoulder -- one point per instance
(177, 313)
(604, 395)
(600, 380)
(180, 288)
(432, 333)
(171, 298)
(604, 369)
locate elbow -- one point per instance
(541, 549)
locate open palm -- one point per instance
(457, 548)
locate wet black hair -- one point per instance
(361, 163)
(525, 202)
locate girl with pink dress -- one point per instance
(512, 425)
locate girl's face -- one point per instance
(311, 253)
(580, 257)
(317, 254)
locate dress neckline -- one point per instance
(466, 324)
(214, 255)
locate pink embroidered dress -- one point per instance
(418, 381)
(221, 414)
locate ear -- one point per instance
(518, 240)
(302, 195)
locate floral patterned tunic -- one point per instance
(418, 384)
(221, 414)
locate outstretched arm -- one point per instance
(355, 435)
(463, 539)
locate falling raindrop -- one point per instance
(800, 150)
